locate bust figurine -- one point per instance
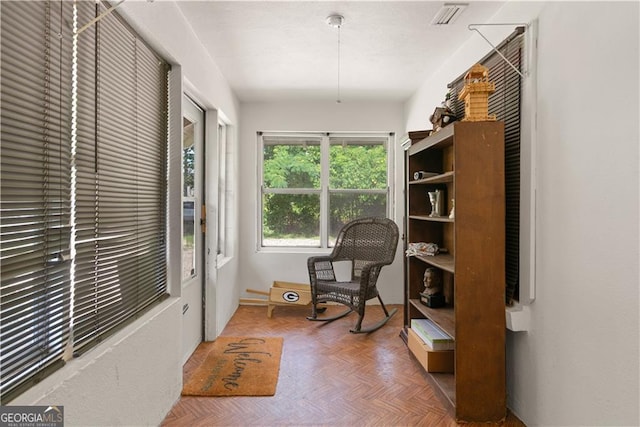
(432, 281)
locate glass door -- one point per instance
(192, 225)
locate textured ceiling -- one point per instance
(271, 50)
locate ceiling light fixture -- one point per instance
(336, 21)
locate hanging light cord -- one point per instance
(336, 21)
(339, 100)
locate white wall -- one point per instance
(260, 269)
(579, 362)
(135, 377)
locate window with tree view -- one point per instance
(314, 183)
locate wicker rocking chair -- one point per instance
(370, 244)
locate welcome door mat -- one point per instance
(238, 366)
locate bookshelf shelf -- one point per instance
(443, 316)
(445, 262)
(437, 140)
(438, 179)
(431, 218)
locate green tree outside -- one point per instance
(351, 167)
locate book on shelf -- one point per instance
(432, 335)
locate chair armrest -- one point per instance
(366, 279)
(366, 270)
(320, 268)
(319, 258)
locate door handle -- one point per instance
(203, 219)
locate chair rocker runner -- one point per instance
(370, 244)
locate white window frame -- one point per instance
(225, 157)
(324, 191)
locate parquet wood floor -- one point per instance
(328, 377)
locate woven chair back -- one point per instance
(367, 240)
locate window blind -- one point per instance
(55, 297)
(35, 190)
(505, 104)
(120, 261)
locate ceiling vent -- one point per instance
(448, 13)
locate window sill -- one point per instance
(293, 250)
(518, 318)
(222, 260)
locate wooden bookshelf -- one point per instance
(468, 161)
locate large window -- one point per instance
(83, 175)
(312, 184)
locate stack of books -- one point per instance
(432, 335)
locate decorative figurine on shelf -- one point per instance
(435, 198)
(475, 94)
(443, 115)
(432, 281)
(452, 214)
(432, 295)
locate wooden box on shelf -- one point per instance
(431, 361)
(469, 160)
